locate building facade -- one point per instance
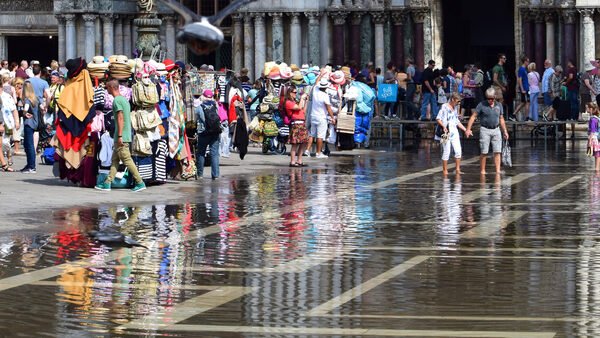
(321, 31)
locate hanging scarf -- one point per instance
(78, 96)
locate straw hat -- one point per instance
(161, 69)
(118, 59)
(98, 63)
(324, 83)
(294, 67)
(347, 74)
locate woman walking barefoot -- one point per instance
(448, 119)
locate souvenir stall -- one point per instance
(85, 123)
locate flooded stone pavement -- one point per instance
(376, 245)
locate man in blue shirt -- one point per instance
(40, 87)
(523, 86)
(546, 92)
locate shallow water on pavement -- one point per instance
(373, 242)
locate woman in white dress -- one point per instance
(448, 120)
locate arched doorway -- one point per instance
(476, 31)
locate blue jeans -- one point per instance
(204, 141)
(533, 106)
(29, 147)
(573, 98)
(427, 99)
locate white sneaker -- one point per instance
(321, 155)
(307, 153)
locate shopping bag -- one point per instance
(506, 154)
(387, 92)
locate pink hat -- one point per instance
(274, 74)
(286, 73)
(337, 77)
(207, 93)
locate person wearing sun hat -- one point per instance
(320, 110)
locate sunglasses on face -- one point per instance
(490, 99)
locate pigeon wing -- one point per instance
(186, 13)
(225, 12)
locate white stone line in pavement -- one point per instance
(471, 318)
(108, 285)
(488, 227)
(553, 189)
(469, 249)
(366, 286)
(188, 308)
(506, 182)
(550, 237)
(412, 176)
(279, 330)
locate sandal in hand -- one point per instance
(6, 168)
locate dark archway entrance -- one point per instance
(41, 48)
(476, 31)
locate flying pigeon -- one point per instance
(202, 34)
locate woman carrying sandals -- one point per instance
(294, 109)
(448, 119)
(9, 121)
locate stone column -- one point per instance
(71, 33)
(339, 41)
(314, 41)
(249, 45)
(62, 39)
(90, 36)
(419, 17)
(379, 19)
(589, 44)
(550, 43)
(118, 35)
(295, 39)
(134, 36)
(277, 30)
(98, 30)
(569, 51)
(107, 34)
(170, 33)
(260, 44)
(540, 41)
(238, 35)
(127, 35)
(398, 19)
(355, 23)
(3, 49)
(528, 32)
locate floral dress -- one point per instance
(593, 131)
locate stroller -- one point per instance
(272, 138)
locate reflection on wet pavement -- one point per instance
(376, 245)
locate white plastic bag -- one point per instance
(331, 135)
(506, 154)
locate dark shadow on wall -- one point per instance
(41, 48)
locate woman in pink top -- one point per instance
(294, 109)
(534, 91)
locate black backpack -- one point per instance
(212, 121)
(488, 79)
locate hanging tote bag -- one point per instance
(387, 92)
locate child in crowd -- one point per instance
(593, 132)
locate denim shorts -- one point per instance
(487, 136)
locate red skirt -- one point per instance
(298, 133)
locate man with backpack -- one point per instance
(209, 131)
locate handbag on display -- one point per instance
(145, 119)
(346, 120)
(141, 144)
